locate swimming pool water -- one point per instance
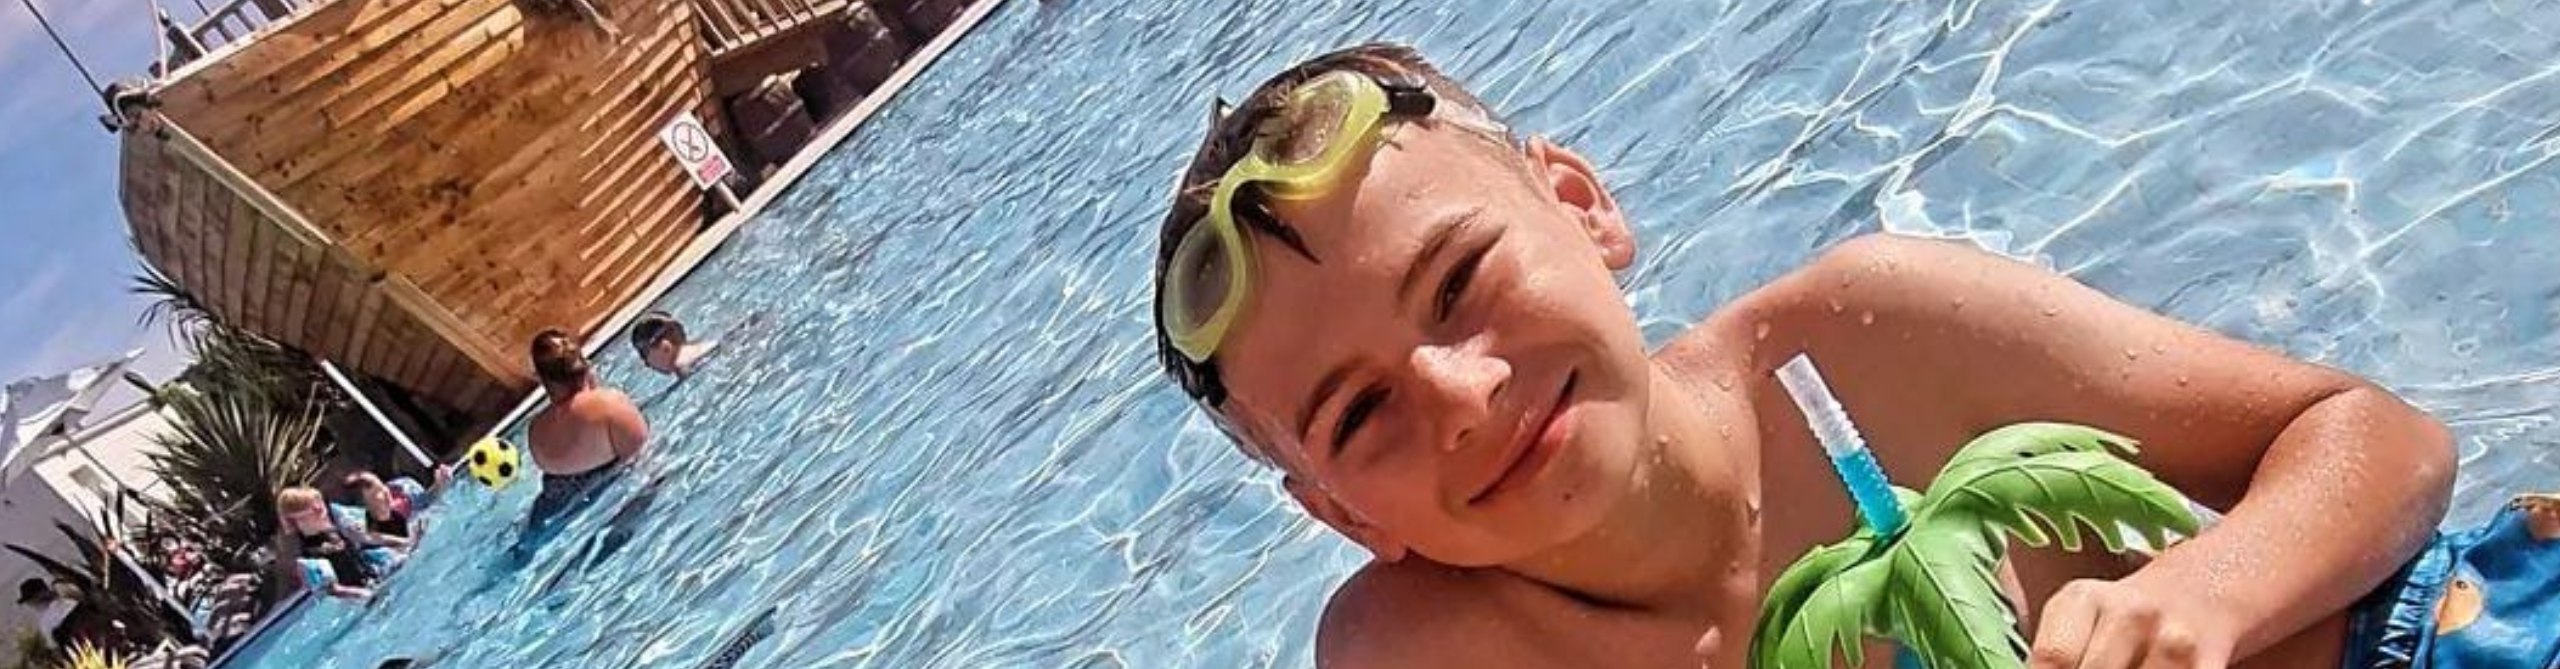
(938, 439)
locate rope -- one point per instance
(65, 47)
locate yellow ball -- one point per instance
(493, 462)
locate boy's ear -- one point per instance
(1575, 185)
(1342, 519)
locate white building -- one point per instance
(59, 465)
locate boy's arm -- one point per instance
(2328, 482)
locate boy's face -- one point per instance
(1406, 382)
(661, 355)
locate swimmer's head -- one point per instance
(559, 363)
(659, 339)
(1403, 326)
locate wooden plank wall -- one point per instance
(251, 272)
(505, 163)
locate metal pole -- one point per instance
(366, 403)
(728, 197)
(65, 47)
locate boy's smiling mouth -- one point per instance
(1534, 445)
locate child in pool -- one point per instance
(308, 532)
(1371, 285)
(664, 347)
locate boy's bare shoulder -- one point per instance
(1724, 341)
(1417, 614)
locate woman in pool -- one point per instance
(1372, 286)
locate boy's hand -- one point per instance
(2094, 624)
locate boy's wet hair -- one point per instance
(1230, 137)
(653, 327)
(556, 358)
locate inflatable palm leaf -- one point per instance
(1785, 638)
(1935, 587)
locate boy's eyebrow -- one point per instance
(1331, 382)
(1447, 231)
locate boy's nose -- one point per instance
(1458, 383)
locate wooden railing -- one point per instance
(728, 25)
(213, 26)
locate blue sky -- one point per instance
(64, 259)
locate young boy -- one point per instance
(663, 347)
(1373, 287)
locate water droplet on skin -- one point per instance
(1724, 430)
(1837, 307)
(1760, 332)
(2130, 354)
(1866, 318)
(2182, 380)
(2051, 311)
(1724, 383)
(1958, 302)
(2160, 348)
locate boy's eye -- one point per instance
(1357, 414)
(1455, 285)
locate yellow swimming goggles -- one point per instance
(1333, 120)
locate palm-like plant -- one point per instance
(1934, 586)
(246, 423)
(85, 656)
(228, 360)
(223, 461)
(187, 317)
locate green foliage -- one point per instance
(229, 360)
(223, 460)
(105, 585)
(1936, 586)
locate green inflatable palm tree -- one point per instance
(1933, 585)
